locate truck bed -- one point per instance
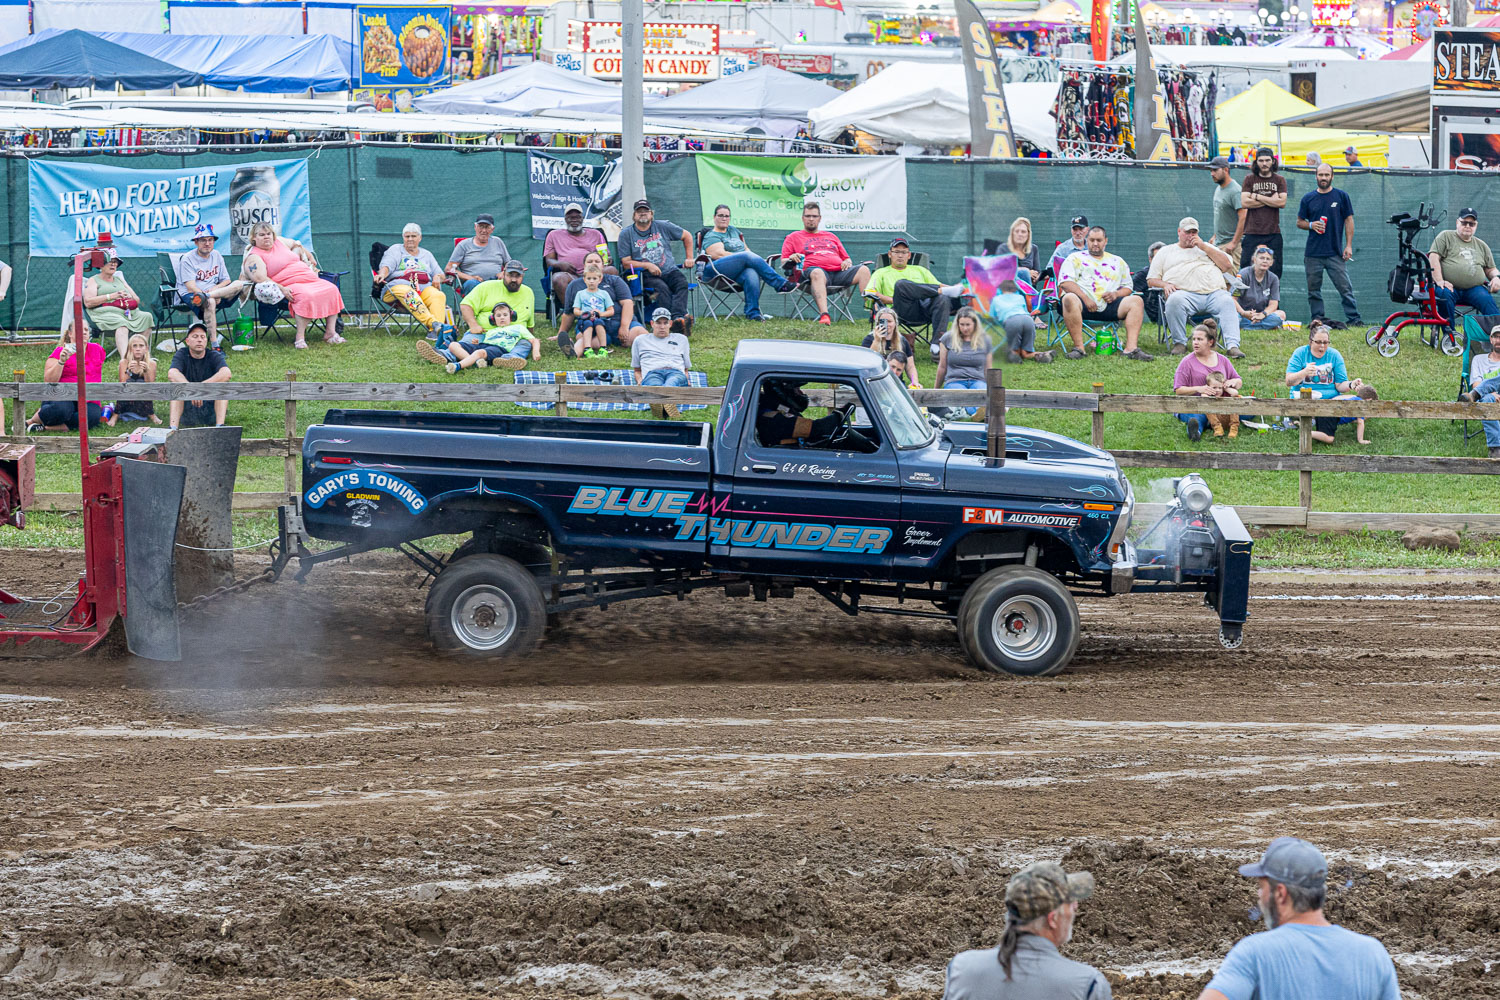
(582, 428)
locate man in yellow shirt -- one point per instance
(509, 288)
(912, 290)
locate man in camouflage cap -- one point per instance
(1040, 903)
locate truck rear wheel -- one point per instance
(1018, 620)
(485, 605)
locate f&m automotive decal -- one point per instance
(367, 479)
(988, 515)
(679, 506)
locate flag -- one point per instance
(989, 119)
(1099, 26)
(1153, 133)
(830, 4)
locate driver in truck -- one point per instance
(781, 421)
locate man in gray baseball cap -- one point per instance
(1300, 954)
(1040, 903)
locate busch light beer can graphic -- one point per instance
(254, 197)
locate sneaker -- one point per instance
(481, 362)
(1014, 358)
(1235, 352)
(824, 319)
(564, 342)
(1139, 355)
(670, 409)
(1042, 357)
(1074, 355)
(1195, 432)
(514, 364)
(427, 352)
(1334, 324)
(38, 428)
(1179, 349)
(451, 367)
(937, 351)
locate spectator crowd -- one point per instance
(1205, 288)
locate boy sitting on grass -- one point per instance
(661, 358)
(594, 309)
(506, 345)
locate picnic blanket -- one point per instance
(603, 376)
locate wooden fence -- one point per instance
(21, 396)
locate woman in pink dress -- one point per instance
(271, 258)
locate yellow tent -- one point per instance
(1245, 121)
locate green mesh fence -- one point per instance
(364, 194)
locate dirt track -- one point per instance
(721, 798)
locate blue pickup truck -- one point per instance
(822, 473)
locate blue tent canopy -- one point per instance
(79, 59)
(263, 64)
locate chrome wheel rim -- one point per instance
(483, 617)
(1025, 628)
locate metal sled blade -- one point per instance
(151, 494)
(211, 456)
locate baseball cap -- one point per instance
(1188, 223)
(1219, 163)
(661, 313)
(573, 206)
(1350, 149)
(484, 217)
(514, 266)
(1468, 213)
(642, 203)
(195, 325)
(1079, 220)
(1042, 887)
(1290, 861)
(205, 229)
(900, 241)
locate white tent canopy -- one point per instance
(1257, 56)
(15, 117)
(928, 104)
(535, 87)
(767, 98)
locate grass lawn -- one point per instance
(1417, 372)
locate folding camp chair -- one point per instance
(1476, 338)
(840, 297)
(715, 291)
(389, 317)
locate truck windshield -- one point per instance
(908, 429)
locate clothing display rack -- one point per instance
(1095, 105)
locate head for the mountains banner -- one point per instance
(989, 119)
(1153, 133)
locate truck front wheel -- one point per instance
(1018, 620)
(485, 605)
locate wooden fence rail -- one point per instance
(559, 395)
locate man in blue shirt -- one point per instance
(1301, 955)
(1328, 216)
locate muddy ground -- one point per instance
(719, 798)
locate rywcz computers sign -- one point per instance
(1465, 61)
(768, 192)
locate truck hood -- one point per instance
(1038, 463)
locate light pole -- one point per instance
(632, 102)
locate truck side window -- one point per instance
(786, 417)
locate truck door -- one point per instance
(812, 490)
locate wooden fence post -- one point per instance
(1304, 447)
(1096, 419)
(561, 379)
(18, 408)
(292, 452)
